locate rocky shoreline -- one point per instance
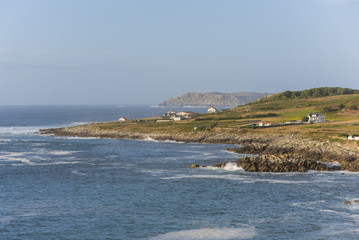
(272, 153)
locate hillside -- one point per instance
(213, 99)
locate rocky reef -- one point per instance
(271, 163)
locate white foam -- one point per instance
(231, 152)
(209, 234)
(226, 177)
(59, 152)
(78, 173)
(14, 157)
(5, 140)
(81, 138)
(149, 139)
(232, 166)
(173, 141)
(332, 164)
(330, 211)
(19, 130)
(235, 177)
(311, 203)
(56, 163)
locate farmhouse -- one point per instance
(177, 118)
(212, 110)
(186, 115)
(316, 118)
(265, 124)
(122, 119)
(353, 138)
(169, 115)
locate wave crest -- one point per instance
(210, 234)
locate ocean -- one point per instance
(90, 188)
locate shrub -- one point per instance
(341, 106)
(353, 107)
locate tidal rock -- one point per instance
(194, 166)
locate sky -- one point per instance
(144, 51)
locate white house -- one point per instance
(353, 138)
(316, 118)
(186, 115)
(265, 124)
(177, 118)
(122, 119)
(169, 115)
(212, 110)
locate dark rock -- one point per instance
(194, 166)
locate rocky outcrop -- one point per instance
(296, 154)
(213, 99)
(271, 163)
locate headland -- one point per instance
(273, 130)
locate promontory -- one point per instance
(315, 129)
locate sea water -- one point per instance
(90, 188)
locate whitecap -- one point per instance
(236, 177)
(19, 130)
(209, 234)
(78, 173)
(5, 140)
(14, 157)
(59, 152)
(226, 177)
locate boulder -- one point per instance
(194, 166)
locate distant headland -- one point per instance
(213, 99)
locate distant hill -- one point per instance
(309, 93)
(213, 99)
(337, 104)
(332, 101)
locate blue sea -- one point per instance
(90, 188)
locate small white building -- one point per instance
(316, 118)
(122, 119)
(177, 118)
(265, 124)
(169, 115)
(212, 110)
(186, 115)
(353, 138)
(171, 112)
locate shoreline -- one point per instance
(272, 153)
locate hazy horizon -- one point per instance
(143, 52)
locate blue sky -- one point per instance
(142, 51)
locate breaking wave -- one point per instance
(149, 139)
(209, 234)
